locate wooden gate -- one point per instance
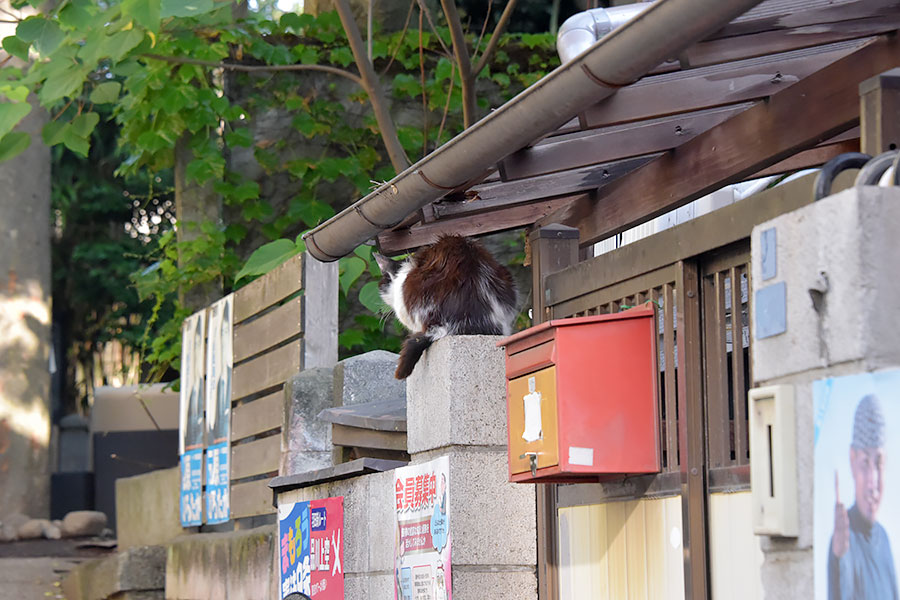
(697, 274)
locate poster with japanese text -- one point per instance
(310, 536)
(219, 366)
(856, 529)
(422, 538)
(191, 419)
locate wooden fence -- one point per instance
(698, 275)
(284, 322)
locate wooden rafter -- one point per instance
(809, 112)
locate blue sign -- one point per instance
(191, 488)
(218, 500)
(293, 529)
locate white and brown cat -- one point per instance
(454, 287)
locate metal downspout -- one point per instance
(581, 30)
(617, 60)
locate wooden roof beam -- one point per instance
(817, 108)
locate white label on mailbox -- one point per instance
(533, 427)
(581, 456)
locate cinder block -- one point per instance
(457, 395)
(147, 511)
(382, 521)
(141, 569)
(356, 586)
(234, 565)
(356, 516)
(471, 584)
(306, 441)
(845, 245)
(367, 377)
(788, 575)
(478, 482)
(381, 585)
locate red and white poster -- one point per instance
(310, 536)
(422, 539)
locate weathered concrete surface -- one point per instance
(306, 441)
(137, 570)
(367, 377)
(844, 247)
(147, 510)
(238, 565)
(34, 578)
(25, 327)
(457, 395)
(456, 408)
(846, 242)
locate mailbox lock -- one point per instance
(532, 459)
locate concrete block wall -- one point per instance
(844, 248)
(147, 508)
(238, 565)
(456, 407)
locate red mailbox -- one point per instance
(582, 398)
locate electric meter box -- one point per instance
(582, 398)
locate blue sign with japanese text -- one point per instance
(191, 488)
(217, 489)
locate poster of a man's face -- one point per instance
(854, 537)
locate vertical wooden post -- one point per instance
(880, 113)
(320, 313)
(691, 433)
(553, 248)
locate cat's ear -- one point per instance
(387, 266)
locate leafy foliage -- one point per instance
(155, 68)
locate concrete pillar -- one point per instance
(25, 327)
(456, 407)
(831, 267)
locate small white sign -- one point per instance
(581, 456)
(532, 402)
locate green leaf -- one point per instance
(443, 69)
(11, 114)
(182, 8)
(145, 13)
(266, 258)
(84, 124)
(16, 93)
(54, 131)
(351, 337)
(76, 143)
(370, 297)
(351, 268)
(295, 21)
(341, 56)
(239, 137)
(45, 35)
(75, 17)
(67, 82)
(13, 144)
(17, 47)
(106, 92)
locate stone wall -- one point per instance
(456, 407)
(844, 249)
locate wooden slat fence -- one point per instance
(285, 321)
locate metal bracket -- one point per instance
(532, 456)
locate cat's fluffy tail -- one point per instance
(413, 348)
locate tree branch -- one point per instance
(424, 8)
(371, 84)
(495, 37)
(462, 60)
(184, 60)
